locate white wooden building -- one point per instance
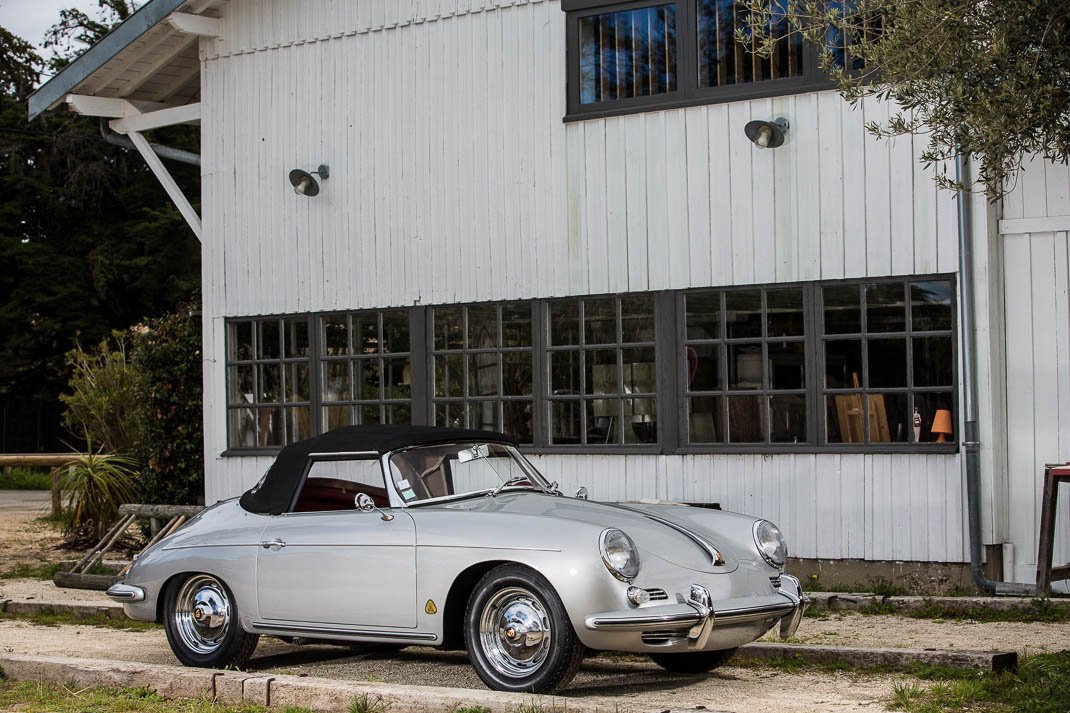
(497, 166)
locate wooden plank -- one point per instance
(676, 241)
(1020, 412)
(636, 188)
(854, 193)
(902, 176)
(720, 188)
(740, 158)
(1046, 224)
(698, 195)
(616, 206)
(785, 204)
(831, 181)
(595, 189)
(763, 239)
(576, 208)
(807, 228)
(657, 208)
(878, 204)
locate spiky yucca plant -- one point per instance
(94, 487)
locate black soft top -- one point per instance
(276, 491)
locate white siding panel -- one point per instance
(818, 501)
(832, 181)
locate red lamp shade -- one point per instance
(942, 425)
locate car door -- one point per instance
(326, 562)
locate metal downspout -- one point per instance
(162, 151)
(971, 441)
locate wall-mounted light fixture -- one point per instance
(303, 182)
(767, 134)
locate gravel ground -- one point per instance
(628, 682)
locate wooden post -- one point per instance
(1053, 475)
(57, 506)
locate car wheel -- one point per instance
(202, 624)
(517, 633)
(693, 662)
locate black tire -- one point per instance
(202, 623)
(512, 597)
(694, 661)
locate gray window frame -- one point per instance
(282, 361)
(352, 359)
(688, 92)
(466, 350)
(671, 388)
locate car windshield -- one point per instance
(459, 469)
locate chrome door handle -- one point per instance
(275, 544)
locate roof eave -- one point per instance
(51, 93)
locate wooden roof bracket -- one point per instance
(130, 120)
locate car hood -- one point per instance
(655, 529)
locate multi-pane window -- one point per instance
(365, 368)
(602, 385)
(483, 368)
(745, 356)
(631, 56)
(268, 385)
(889, 360)
(847, 365)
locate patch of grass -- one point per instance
(34, 696)
(295, 709)
(1037, 611)
(364, 703)
(1041, 685)
(469, 709)
(60, 618)
(25, 479)
(43, 570)
(884, 588)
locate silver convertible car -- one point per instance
(451, 538)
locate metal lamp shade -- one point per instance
(303, 182)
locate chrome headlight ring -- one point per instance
(770, 543)
(619, 554)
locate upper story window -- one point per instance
(639, 56)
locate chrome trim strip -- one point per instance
(341, 455)
(345, 632)
(684, 619)
(126, 593)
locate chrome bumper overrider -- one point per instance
(700, 617)
(126, 593)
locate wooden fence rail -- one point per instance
(55, 461)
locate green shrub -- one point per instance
(102, 403)
(94, 487)
(25, 479)
(167, 355)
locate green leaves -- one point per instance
(993, 77)
(94, 487)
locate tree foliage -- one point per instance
(991, 76)
(89, 241)
(167, 357)
(102, 402)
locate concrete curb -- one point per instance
(886, 659)
(106, 610)
(853, 601)
(236, 687)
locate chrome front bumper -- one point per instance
(700, 617)
(126, 593)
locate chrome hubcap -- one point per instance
(514, 632)
(202, 613)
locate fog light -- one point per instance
(638, 596)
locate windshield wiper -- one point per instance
(512, 481)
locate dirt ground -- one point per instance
(27, 540)
(628, 684)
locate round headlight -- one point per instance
(771, 543)
(620, 554)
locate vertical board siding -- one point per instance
(1038, 386)
(453, 178)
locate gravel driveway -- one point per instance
(628, 682)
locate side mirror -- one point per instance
(364, 503)
(581, 493)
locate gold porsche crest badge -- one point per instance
(430, 607)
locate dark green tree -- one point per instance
(991, 76)
(89, 241)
